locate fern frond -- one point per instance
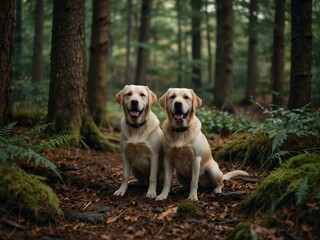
(6, 131)
(302, 191)
(57, 141)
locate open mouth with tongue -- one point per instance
(135, 113)
(179, 115)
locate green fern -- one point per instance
(281, 123)
(302, 191)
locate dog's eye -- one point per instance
(142, 95)
(172, 96)
(186, 97)
(129, 94)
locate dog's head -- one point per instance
(136, 101)
(180, 105)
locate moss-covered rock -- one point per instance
(285, 184)
(27, 190)
(256, 149)
(187, 209)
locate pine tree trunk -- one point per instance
(252, 64)
(128, 43)
(179, 43)
(196, 44)
(208, 30)
(37, 63)
(68, 107)
(278, 55)
(97, 79)
(6, 50)
(17, 55)
(142, 57)
(223, 89)
(301, 49)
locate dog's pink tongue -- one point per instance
(134, 113)
(178, 116)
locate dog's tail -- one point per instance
(235, 173)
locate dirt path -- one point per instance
(92, 212)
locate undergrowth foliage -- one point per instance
(28, 189)
(214, 121)
(282, 123)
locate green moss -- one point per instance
(256, 149)
(281, 186)
(187, 209)
(27, 190)
(253, 150)
(242, 231)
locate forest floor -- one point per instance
(91, 211)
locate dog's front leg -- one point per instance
(168, 171)
(125, 176)
(195, 179)
(151, 193)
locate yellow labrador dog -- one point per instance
(140, 139)
(186, 149)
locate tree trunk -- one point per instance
(196, 44)
(17, 55)
(6, 50)
(67, 107)
(142, 56)
(97, 79)
(301, 59)
(179, 43)
(37, 63)
(128, 43)
(208, 30)
(223, 89)
(278, 55)
(252, 64)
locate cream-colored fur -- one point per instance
(140, 139)
(186, 148)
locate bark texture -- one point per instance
(6, 50)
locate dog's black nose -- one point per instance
(178, 105)
(134, 103)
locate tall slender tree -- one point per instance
(37, 62)
(252, 63)
(208, 31)
(144, 32)
(68, 107)
(6, 50)
(128, 43)
(278, 54)
(97, 78)
(301, 58)
(17, 34)
(179, 43)
(196, 43)
(223, 88)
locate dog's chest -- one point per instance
(136, 151)
(181, 154)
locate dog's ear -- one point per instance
(119, 96)
(152, 98)
(196, 101)
(163, 100)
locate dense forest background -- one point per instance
(170, 62)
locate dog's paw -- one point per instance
(193, 198)
(218, 189)
(119, 192)
(161, 197)
(151, 194)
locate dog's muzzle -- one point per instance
(178, 113)
(134, 109)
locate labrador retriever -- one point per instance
(186, 149)
(140, 139)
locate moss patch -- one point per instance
(283, 184)
(187, 209)
(256, 149)
(27, 190)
